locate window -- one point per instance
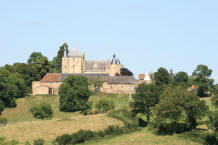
(50, 91)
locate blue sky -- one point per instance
(145, 34)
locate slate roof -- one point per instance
(51, 77)
(103, 77)
(122, 80)
(74, 53)
(96, 65)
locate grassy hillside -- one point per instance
(22, 126)
(143, 137)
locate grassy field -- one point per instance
(23, 127)
(143, 137)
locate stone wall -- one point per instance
(43, 88)
(118, 88)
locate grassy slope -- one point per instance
(22, 126)
(143, 137)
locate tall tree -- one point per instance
(33, 57)
(58, 59)
(201, 77)
(145, 98)
(181, 78)
(161, 77)
(74, 94)
(40, 63)
(177, 104)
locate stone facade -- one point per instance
(76, 64)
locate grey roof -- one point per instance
(74, 53)
(96, 65)
(103, 77)
(122, 80)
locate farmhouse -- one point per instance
(74, 63)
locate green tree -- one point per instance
(182, 79)
(105, 105)
(58, 59)
(161, 77)
(215, 100)
(215, 91)
(177, 104)
(41, 111)
(8, 89)
(145, 98)
(201, 77)
(96, 83)
(34, 56)
(213, 120)
(125, 72)
(40, 63)
(74, 94)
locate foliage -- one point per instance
(74, 94)
(8, 89)
(96, 83)
(213, 120)
(182, 79)
(211, 140)
(2, 106)
(105, 105)
(42, 111)
(40, 63)
(58, 59)
(3, 141)
(145, 98)
(161, 77)
(39, 142)
(201, 77)
(125, 72)
(26, 71)
(3, 121)
(178, 104)
(215, 91)
(215, 100)
(170, 128)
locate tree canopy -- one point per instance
(74, 94)
(125, 72)
(161, 77)
(145, 98)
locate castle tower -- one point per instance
(114, 67)
(73, 62)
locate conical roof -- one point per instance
(74, 53)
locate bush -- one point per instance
(105, 105)
(170, 128)
(42, 111)
(3, 141)
(14, 142)
(39, 142)
(74, 94)
(142, 123)
(211, 140)
(2, 106)
(215, 100)
(3, 121)
(63, 140)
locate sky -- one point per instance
(144, 34)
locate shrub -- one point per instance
(39, 142)
(14, 142)
(63, 140)
(3, 141)
(2, 106)
(42, 111)
(211, 140)
(113, 130)
(3, 121)
(170, 128)
(142, 123)
(105, 105)
(215, 100)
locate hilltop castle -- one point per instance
(75, 63)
